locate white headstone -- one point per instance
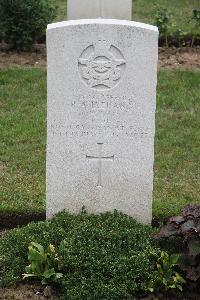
(90, 9)
(102, 78)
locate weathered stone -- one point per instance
(102, 78)
(91, 9)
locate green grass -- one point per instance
(22, 145)
(144, 11)
(23, 136)
(177, 148)
(62, 10)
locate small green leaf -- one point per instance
(174, 259)
(37, 247)
(179, 287)
(59, 275)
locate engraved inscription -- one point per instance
(99, 158)
(101, 65)
(104, 102)
(88, 130)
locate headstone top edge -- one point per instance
(102, 21)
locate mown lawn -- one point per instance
(144, 11)
(23, 137)
(22, 144)
(177, 146)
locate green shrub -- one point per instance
(24, 21)
(105, 256)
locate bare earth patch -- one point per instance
(186, 58)
(27, 291)
(169, 58)
(9, 58)
(36, 292)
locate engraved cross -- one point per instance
(100, 158)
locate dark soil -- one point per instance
(169, 58)
(16, 219)
(10, 58)
(186, 58)
(24, 291)
(27, 291)
(173, 296)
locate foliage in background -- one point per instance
(167, 277)
(186, 227)
(105, 256)
(195, 21)
(179, 35)
(168, 30)
(180, 13)
(43, 264)
(24, 21)
(162, 21)
(21, 32)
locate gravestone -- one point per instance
(90, 9)
(102, 78)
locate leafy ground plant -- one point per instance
(42, 263)
(187, 228)
(167, 277)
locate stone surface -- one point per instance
(102, 78)
(90, 9)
